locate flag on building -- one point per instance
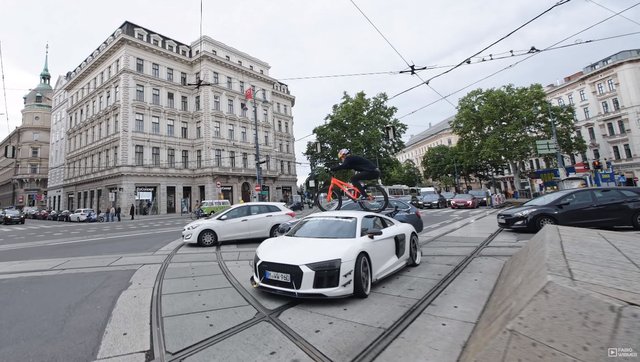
(248, 94)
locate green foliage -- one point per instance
(403, 174)
(358, 123)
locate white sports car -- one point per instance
(335, 254)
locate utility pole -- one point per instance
(249, 95)
(561, 170)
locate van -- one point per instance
(209, 207)
(427, 190)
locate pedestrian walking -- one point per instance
(118, 211)
(112, 213)
(132, 210)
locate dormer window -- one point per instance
(156, 39)
(214, 52)
(171, 45)
(240, 62)
(228, 57)
(140, 34)
(38, 98)
(183, 50)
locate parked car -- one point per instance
(335, 254)
(483, 196)
(80, 215)
(296, 206)
(587, 207)
(63, 215)
(417, 202)
(448, 196)
(250, 220)
(464, 201)
(434, 201)
(12, 216)
(210, 207)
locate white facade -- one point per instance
(159, 124)
(417, 146)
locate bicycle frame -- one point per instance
(348, 189)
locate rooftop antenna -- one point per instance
(199, 82)
(4, 89)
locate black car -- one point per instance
(434, 201)
(584, 207)
(12, 216)
(397, 209)
(296, 206)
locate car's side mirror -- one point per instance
(283, 229)
(566, 203)
(223, 217)
(373, 232)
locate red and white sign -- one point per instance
(580, 167)
(218, 184)
(258, 188)
(248, 94)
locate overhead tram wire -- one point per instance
(559, 3)
(520, 61)
(613, 11)
(412, 67)
(4, 89)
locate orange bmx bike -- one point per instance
(330, 197)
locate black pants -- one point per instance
(364, 175)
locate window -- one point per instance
(184, 104)
(139, 65)
(216, 103)
(185, 159)
(115, 93)
(596, 154)
(286, 127)
(288, 167)
(184, 130)
(266, 137)
(611, 85)
(229, 82)
(560, 102)
(33, 168)
(243, 134)
(242, 87)
(621, 127)
(106, 158)
(610, 129)
(108, 98)
(605, 107)
(197, 77)
(116, 128)
(199, 158)
(583, 96)
(216, 129)
(586, 112)
(264, 114)
(616, 104)
(287, 147)
(600, 88)
(197, 103)
(227, 57)
(282, 167)
(155, 70)
(155, 124)
(232, 159)
(170, 74)
(570, 98)
(100, 103)
(627, 150)
(268, 162)
(616, 152)
(280, 147)
(230, 105)
(155, 156)
(170, 100)
(198, 129)
(183, 78)
(171, 157)
(155, 96)
(218, 158)
(537, 164)
(215, 78)
(285, 109)
(115, 156)
(170, 123)
(139, 122)
(232, 135)
(139, 155)
(280, 125)
(35, 152)
(140, 93)
(592, 134)
(245, 160)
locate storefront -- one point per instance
(227, 193)
(146, 200)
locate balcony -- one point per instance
(593, 144)
(617, 138)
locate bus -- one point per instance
(401, 191)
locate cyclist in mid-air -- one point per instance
(366, 170)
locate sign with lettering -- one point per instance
(545, 146)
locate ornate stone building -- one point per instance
(150, 121)
(24, 153)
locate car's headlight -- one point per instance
(524, 213)
(256, 260)
(325, 265)
(192, 226)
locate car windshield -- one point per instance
(547, 198)
(326, 227)
(12, 212)
(463, 196)
(447, 195)
(432, 197)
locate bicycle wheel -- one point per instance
(335, 203)
(379, 203)
(193, 215)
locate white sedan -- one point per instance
(335, 254)
(80, 215)
(249, 220)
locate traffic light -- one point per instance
(597, 165)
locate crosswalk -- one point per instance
(52, 226)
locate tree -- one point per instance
(444, 165)
(406, 173)
(358, 124)
(500, 126)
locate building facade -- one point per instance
(606, 97)
(25, 151)
(150, 121)
(417, 146)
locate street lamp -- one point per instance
(561, 170)
(249, 94)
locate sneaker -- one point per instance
(367, 198)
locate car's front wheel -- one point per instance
(636, 221)
(415, 253)
(274, 231)
(207, 238)
(543, 220)
(362, 277)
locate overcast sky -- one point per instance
(317, 47)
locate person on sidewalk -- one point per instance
(132, 210)
(112, 214)
(118, 211)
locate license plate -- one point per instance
(283, 277)
(502, 221)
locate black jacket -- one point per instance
(355, 163)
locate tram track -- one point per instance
(271, 316)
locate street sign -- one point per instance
(218, 184)
(545, 146)
(257, 187)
